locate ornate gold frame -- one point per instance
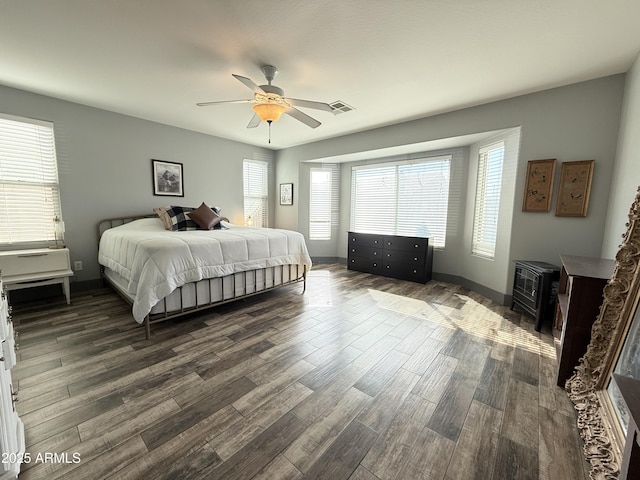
(586, 386)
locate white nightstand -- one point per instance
(36, 267)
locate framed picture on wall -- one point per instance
(286, 194)
(167, 178)
(539, 185)
(575, 187)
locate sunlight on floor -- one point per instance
(318, 292)
(472, 317)
(472, 313)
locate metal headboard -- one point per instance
(106, 224)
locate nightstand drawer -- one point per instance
(25, 262)
(36, 268)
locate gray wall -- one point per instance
(105, 167)
(576, 122)
(626, 173)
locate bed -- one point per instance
(167, 274)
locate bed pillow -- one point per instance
(205, 217)
(179, 220)
(162, 213)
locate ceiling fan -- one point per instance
(270, 103)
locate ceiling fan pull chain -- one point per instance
(269, 122)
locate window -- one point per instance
(485, 220)
(402, 198)
(324, 200)
(29, 192)
(256, 192)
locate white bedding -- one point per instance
(155, 261)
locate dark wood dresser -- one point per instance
(405, 258)
(535, 286)
(582, 280)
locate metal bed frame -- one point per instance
(299, 276)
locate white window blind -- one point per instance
(256, 192)
(29, 191)
(485, 220)
(324, 201)
(403, 198)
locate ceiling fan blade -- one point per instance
(310, 104)
(206, 104)
(303, 117)
(249, 83)
(254, 122)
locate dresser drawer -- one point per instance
(365, 265)
(365, 240)
(367, 252)
(403, 271)
(407, 244)
(409, 258)
(24, 262)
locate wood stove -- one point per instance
(535, 287)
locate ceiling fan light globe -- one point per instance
(269, 112)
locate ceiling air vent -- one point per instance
(340, 107)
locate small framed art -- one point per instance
(575, 187)
(167, 178)
(286, 194)
(539, 186)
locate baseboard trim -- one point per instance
(325, 260)
(501, 298)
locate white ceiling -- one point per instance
(391, 60)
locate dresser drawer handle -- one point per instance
(375, 253)
(416, 245)
(415, 271)
(388, 267)
(33, 255)
(375, 241)
(375, 264)
(415, 259)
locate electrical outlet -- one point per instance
(77, 265)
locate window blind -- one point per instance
(29, 190)
(402, 198)
(487, 202)
(256, 192)
(324, 201)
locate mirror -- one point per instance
(628, 365)
(602, 415)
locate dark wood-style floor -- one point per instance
(361, 378)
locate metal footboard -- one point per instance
(248, 279)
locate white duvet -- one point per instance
(155, 261)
